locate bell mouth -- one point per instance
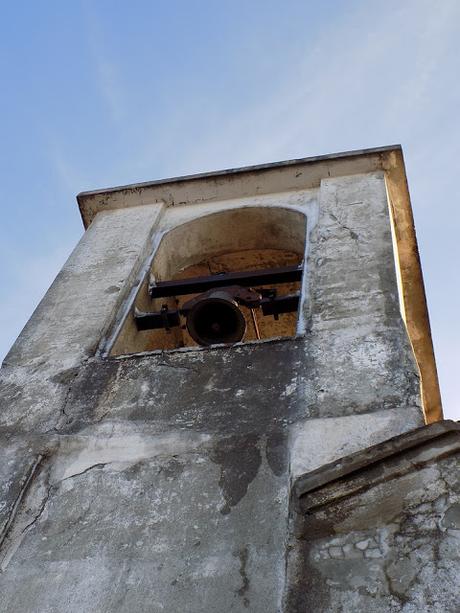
(216, 320)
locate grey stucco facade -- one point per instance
(212, 479)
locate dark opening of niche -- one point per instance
(233, 302)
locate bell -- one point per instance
(215, 318)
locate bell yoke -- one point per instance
(214, 315)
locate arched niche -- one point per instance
(237, 239)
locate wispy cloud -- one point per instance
(368, 78)
(106, 71)
(111, 89)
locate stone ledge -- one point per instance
(382, 462)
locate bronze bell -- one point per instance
(215, 318)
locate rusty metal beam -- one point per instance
(252, 278)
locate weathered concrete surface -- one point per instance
(380, 534)
(161, 482)
(67, 325)
(354, 306)
(121, 523)
(20, 461)
(315, 443)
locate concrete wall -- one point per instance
(379, 530)
(161, 482)
(66, 328)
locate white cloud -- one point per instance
(106, 73)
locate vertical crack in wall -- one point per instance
(27, 510)
(33, 470)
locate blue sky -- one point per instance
(102, 93)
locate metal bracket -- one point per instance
(167, 319)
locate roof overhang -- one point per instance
(242, 182)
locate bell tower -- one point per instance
(228, 401)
